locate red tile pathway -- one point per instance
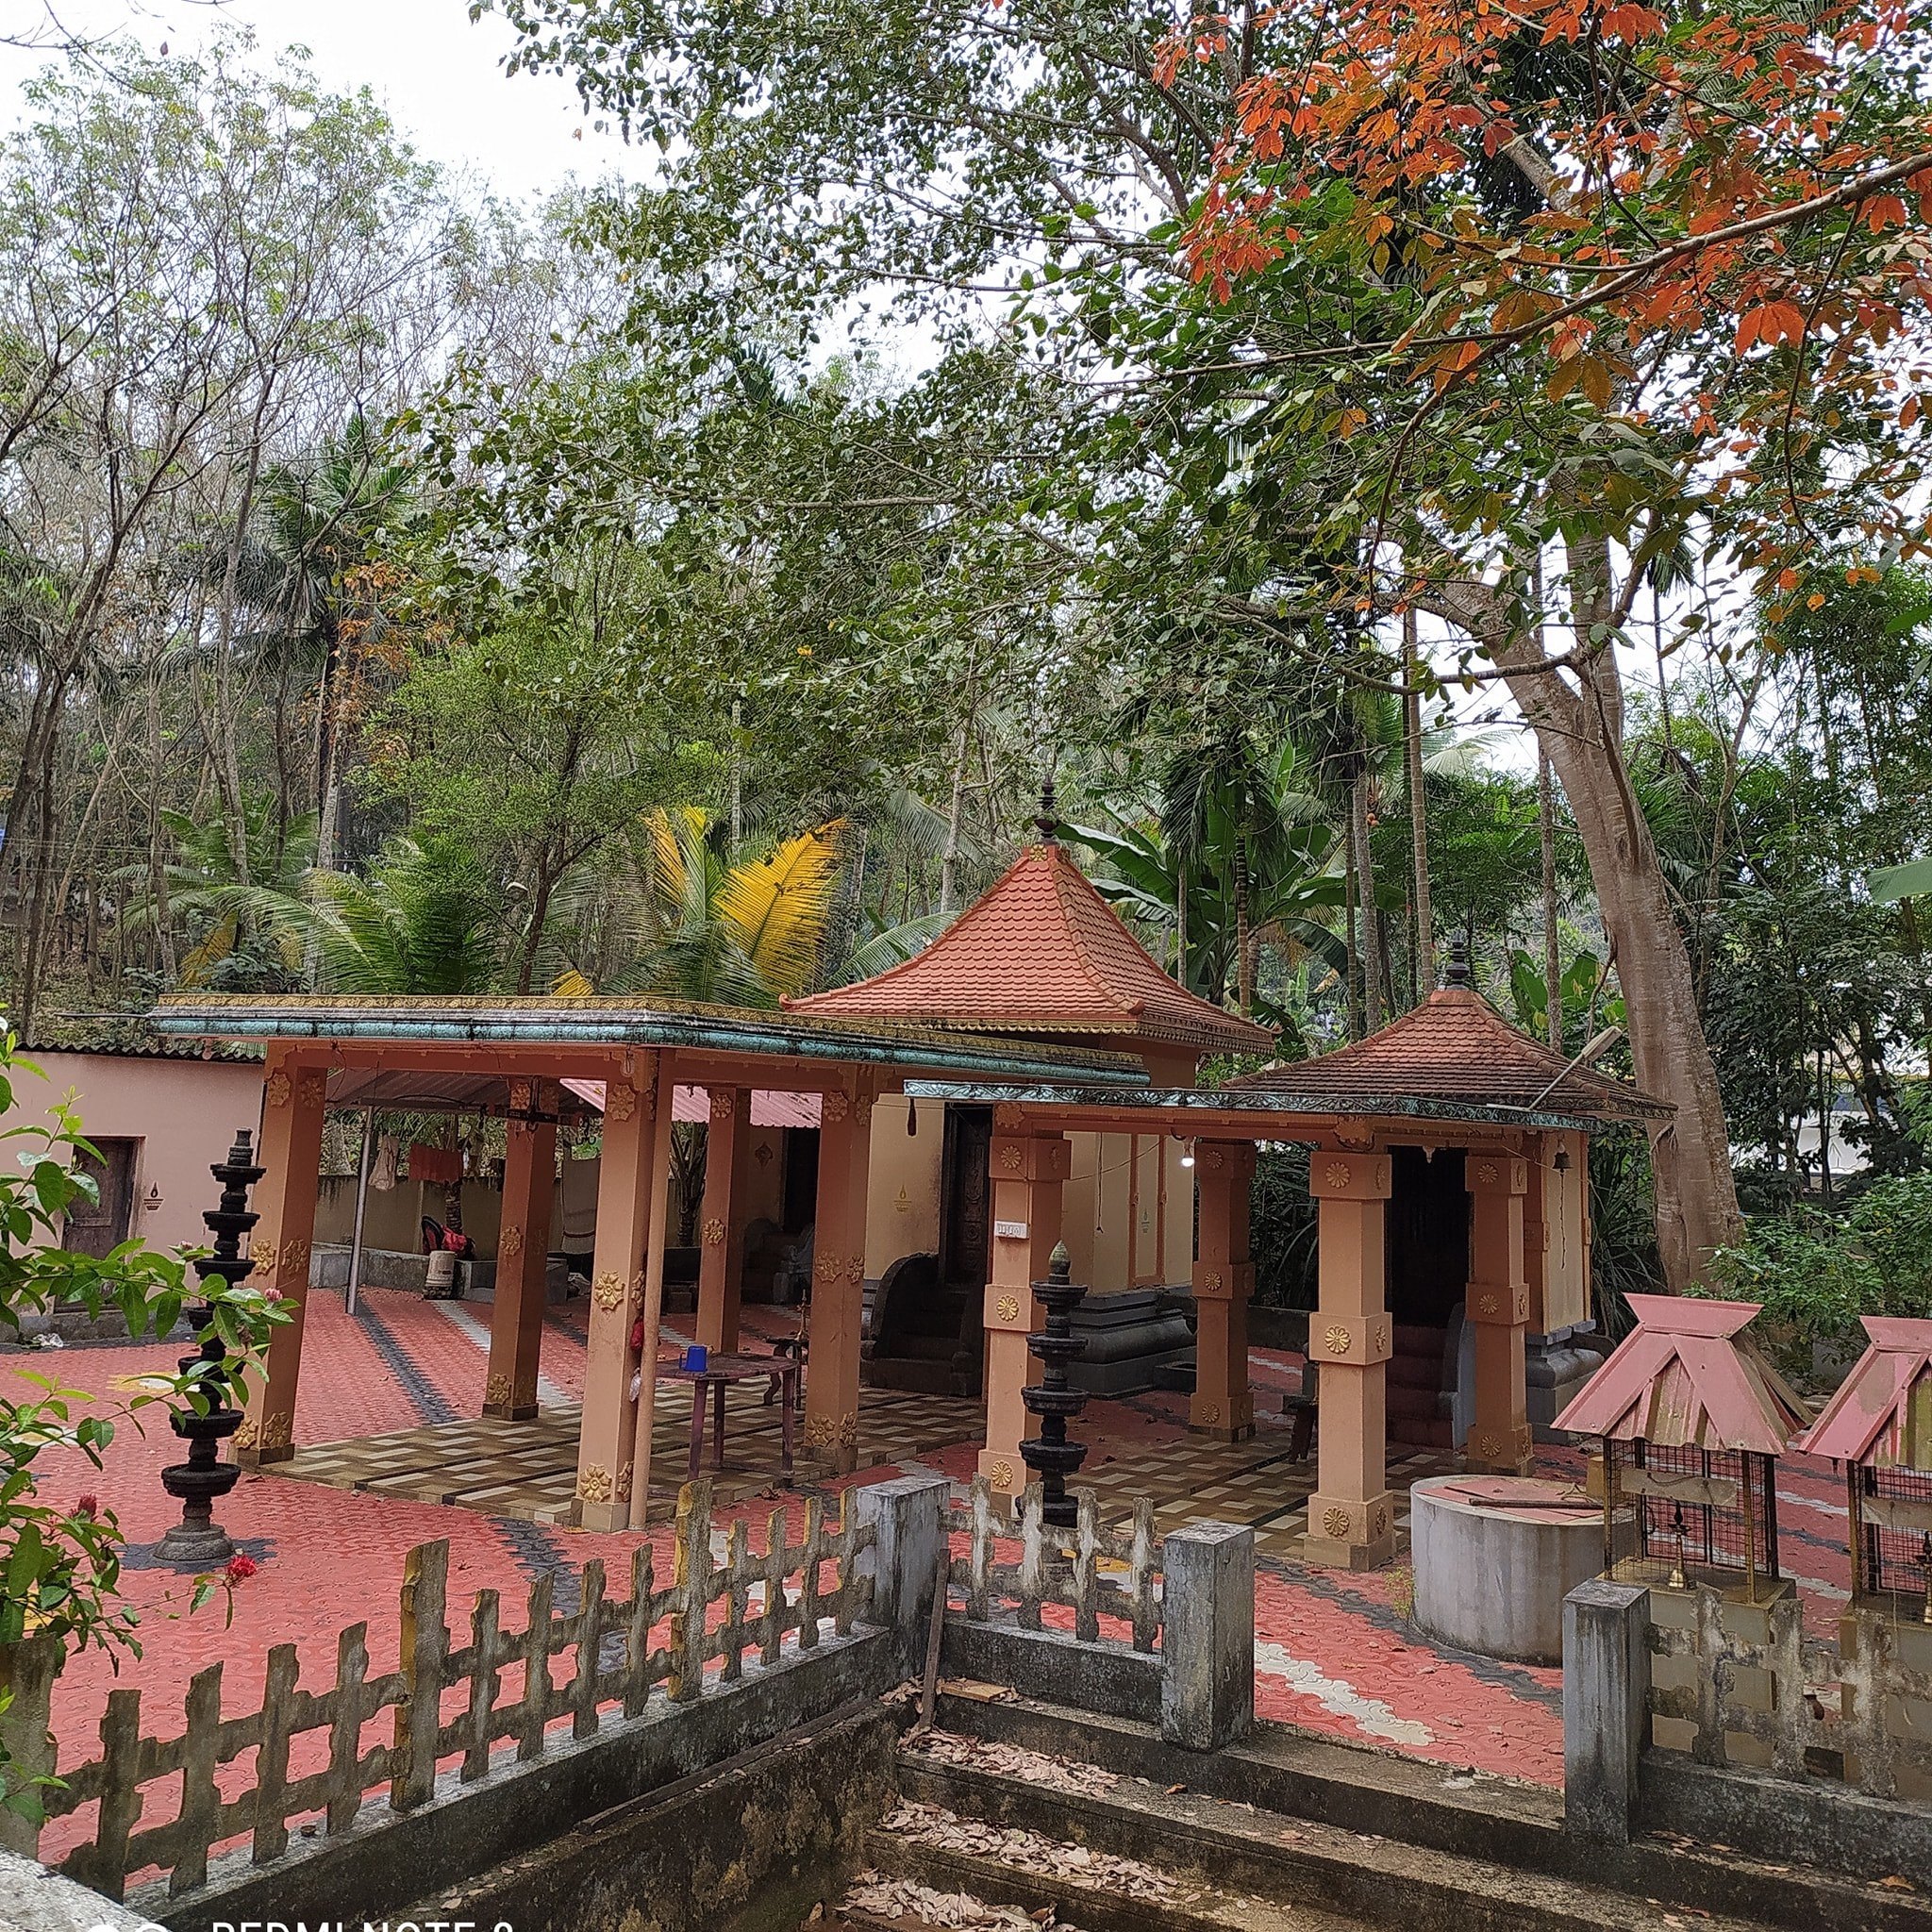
(1335, 1653)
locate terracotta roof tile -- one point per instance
(1457, 1047)
(1881, 1415)
(1686, 1377)
(1041, 952)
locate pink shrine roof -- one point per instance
(1041, 952)
(1686, 1377)
(1881, 1415)
(770, 1107)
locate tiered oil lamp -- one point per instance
(198, 1541)
(1049, 1454)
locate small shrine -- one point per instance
(1878, 1428)
(1692, 1420)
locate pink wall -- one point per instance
(183, 1113)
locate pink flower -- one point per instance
(88, 1505)
(241, 1569)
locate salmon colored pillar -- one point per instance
(523, 1252)
(1222, 1404)
(721, 1259)
(291, 1152)
(1029, 1173)
(650, 1309)
(1498, 1305)
(1351, 1515)
(624, 1220)
(837, 1295)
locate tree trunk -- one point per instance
(1244, 969)
(955, 816)
(1581, 730)
(1553, 963)
(1418, 810)
(1365, 895)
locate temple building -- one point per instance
(1028, 1078)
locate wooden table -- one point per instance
(720, 1374)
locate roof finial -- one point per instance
(1458, 973)
(1048, 821)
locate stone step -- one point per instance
(1412, 1338)
(1415, 1372)
(1405, 1398)
(1207, 1846)
(1422, 1432)
(1036, 1884)
(1280, 1779)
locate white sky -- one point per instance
(436, 72)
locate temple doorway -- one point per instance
(1427, 1262)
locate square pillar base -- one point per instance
(1215, 1432)
(1224, 1418)
(1325, 1554)
(260, 1458)
(1349, 1534)
(509, 1411)
(1492, 1453)
(1005, 1472)
(604, 1518)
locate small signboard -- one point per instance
(1009, 1230)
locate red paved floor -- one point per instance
(1335, 1653)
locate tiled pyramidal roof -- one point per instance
(1455, 1047)
(1041, 952)
(1881, 1415)
(1686, 1377)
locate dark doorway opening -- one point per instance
(1426, 1255)
(800, 1202)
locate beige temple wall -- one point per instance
(181, 1113)
(1115, 1191)
(901, 1197)
(1566, 1274)
(393, 1216)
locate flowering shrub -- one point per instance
(60, 1568)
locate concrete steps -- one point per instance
(1334, 1835)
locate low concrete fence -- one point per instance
(1688, 1710)
(376, 1790)
(1160, 1631)
(660, 1682)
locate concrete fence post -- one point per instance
(1208, 1636)
(908, 1517)
(1605, 1707)
(28, 1671)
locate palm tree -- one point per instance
(428, 919)
(1241, 810)
(204, 886)
(1289, 890)
(719, 932)
(318, 526)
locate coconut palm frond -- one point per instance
(777, 908)
(891, 947)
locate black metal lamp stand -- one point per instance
(198, 1541)
(1049, 1454)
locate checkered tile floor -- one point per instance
(528, 1470)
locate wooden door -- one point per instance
(95, 1228)
(966, 1198)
